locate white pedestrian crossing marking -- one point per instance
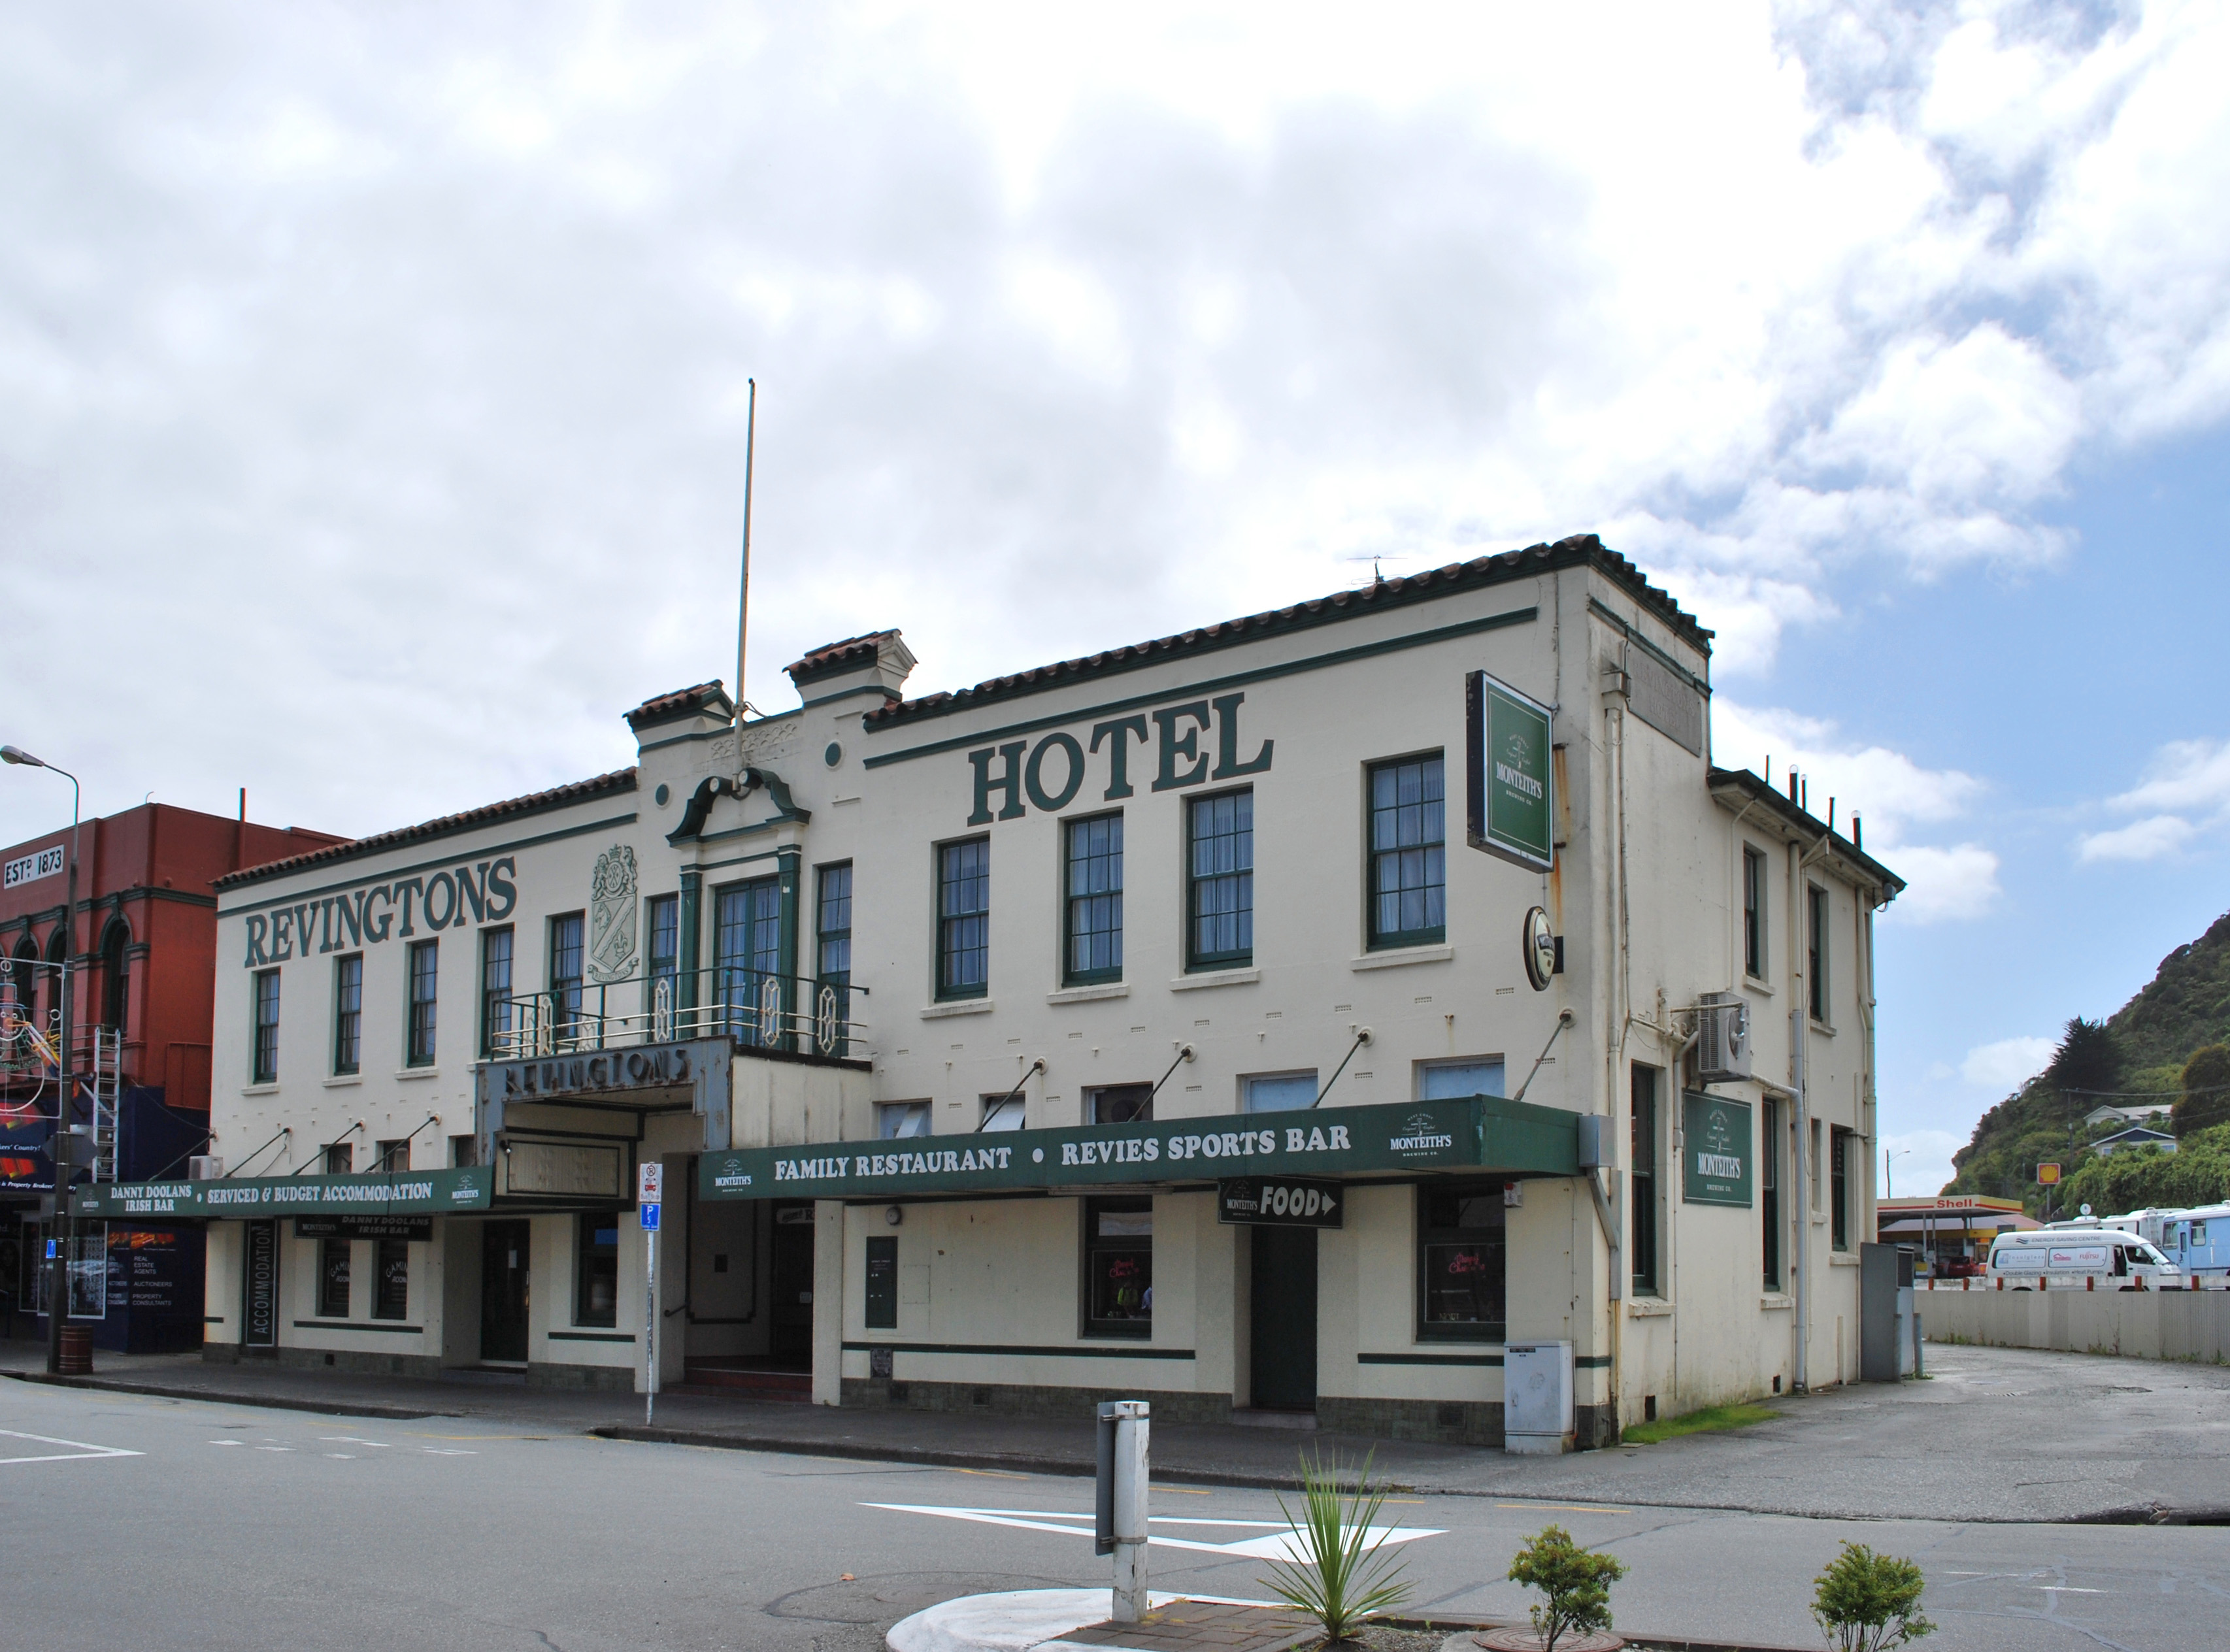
(1277, 1542)
(77, 1449)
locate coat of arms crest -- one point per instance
(612, 915)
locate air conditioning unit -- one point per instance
(205, 1168)
(1722, 1038)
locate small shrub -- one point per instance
(1576, 1581)
(1869, 1603)
(1343, 1575)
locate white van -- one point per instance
(2062, 1259)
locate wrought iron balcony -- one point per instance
(756, 1008)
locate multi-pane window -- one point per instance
(1219, 881)
(392, 1158)
(495, 993)
(565, 956)
(348, 1013)
(333, 1279)
(1754, 913)
(263, 1055)
(1839, 1189)
(464, 1152)
(832, 929)
(1643, 1176)
(833, 923)
(1118, 1267)
(665, 952)
(1004, 1111)
(1408, 872)
(340, 1158)
(596, 1268)
(746, 950)
(1094, 902)
(1118, 1105)
(425, 964)
(1462, 1248)
(1815, 951)
(391, 1279)
(964, 918)
(1769, 1185)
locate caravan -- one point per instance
(2200, 1241)
(2065, 1258)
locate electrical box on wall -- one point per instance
(1723, 1044)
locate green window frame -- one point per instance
(1815, 955)
(390, 1279)
(1754, 890)
(1463, 1253)
(1769, 1185)
(497, 949)
(664, 957)
(746, 950)
(1839, 1188)
(348, 1014)
(1408, 805)
(1091, 905)
(1119, 1267)
(423, 1002)
(1642, 1177)
(964, 918)
(333, 1278)
(832, 948)
(263, 1040)
(1219, 881)
(567, 955)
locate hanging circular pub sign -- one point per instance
(1540, 945)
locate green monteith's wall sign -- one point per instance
(415, 1193)
(1480, 1132)
(1509, 781)
(1172, 750)
(472, 894)
(1715, 1163)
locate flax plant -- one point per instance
(1342, 1575)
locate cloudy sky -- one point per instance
(372, 394)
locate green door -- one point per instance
(1284, 1319)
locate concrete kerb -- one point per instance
(273, 1402)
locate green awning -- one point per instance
(1482, 1133)
(413, 1193)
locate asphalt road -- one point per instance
(235, 1527)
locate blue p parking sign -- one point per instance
(649, 1214)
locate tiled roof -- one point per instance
(680, 703)
(833, 657)
(1432, 583)
(579, 791)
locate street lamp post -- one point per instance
(1889, 1187)
(58, 1280)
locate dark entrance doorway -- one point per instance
(790, 1286)
(1283, 1312)
(504, 1291)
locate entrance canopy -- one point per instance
(1479, 1132)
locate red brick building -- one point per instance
(141, 955)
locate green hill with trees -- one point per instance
(2170, 1042)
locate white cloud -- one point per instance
(1943, 885)
(2152, 838)
(399, 360)
(2186, 779)
(2005, 1065)
(1919, 1161)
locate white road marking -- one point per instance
(351, 1439)
(228, 1442)
(342, 1456)
(1280, 1543)
(446, 1451)
(78, 1449)
(274, 1448)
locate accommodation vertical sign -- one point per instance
(1510, 803)
(259, 1318)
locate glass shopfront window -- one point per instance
(1462, 1254)
(1118, 1267)
(597, 1274)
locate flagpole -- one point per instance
(743, 596)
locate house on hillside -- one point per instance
(2137, 1135)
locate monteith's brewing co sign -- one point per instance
(1716, 1153)
(1510, 800)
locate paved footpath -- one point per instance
(1995, 1434)
(210, 1526)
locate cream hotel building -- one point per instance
(1285, 1020)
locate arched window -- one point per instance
(115, 974)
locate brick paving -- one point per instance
(1202, 1626)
